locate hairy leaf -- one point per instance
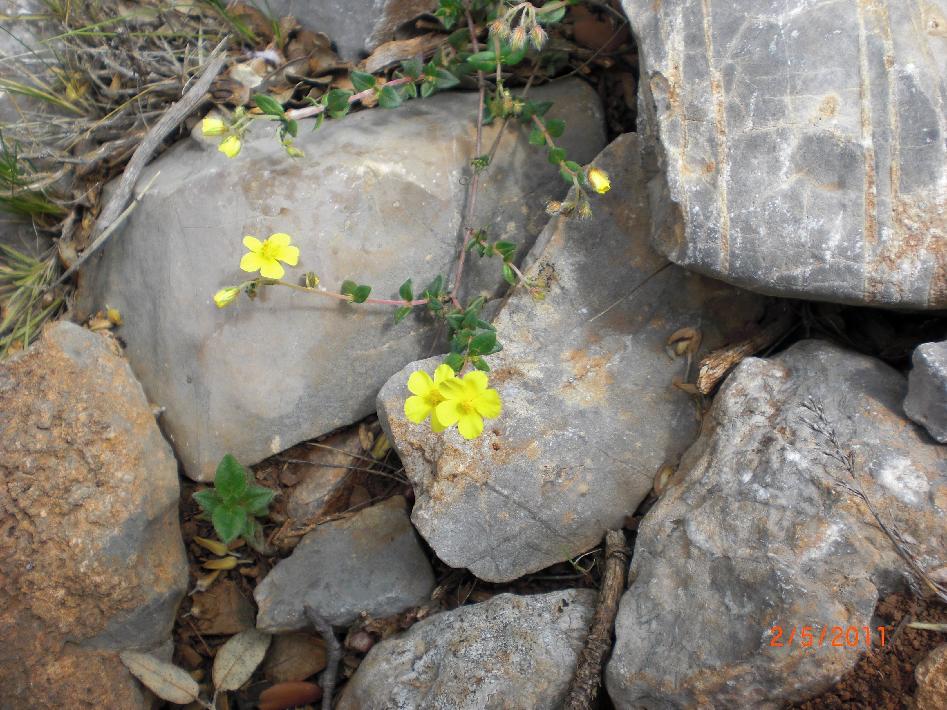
(165, 680)
(238, 658)
(230, 480)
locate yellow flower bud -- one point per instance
(211, 126)
(599, 181)
(230, 146)
(225, 296)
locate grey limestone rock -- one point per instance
(926, 402)
(755, 532)
(803, 144)
(508, 652)
(370, 562)
(378, 198)
(590, 409)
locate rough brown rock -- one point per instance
(91, 558)
(932, 681)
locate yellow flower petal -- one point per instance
(599, 181)
(443, 373)
(470, 425)
(437, 426)
(230, 146)
(225, 296)
(280, 239)
(477, 381)
(251, 262)
(453, 388)
(271, 269)
(448, 412)
(417, 409)
(211, 126)
(420, 383)
(253, 244)
(488, 404)
(286, 253)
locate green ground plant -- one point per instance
(234, 504)
(516, 31)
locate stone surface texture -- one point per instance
(370, 562)
(803, 144)
(321, 472)
(926, 402)
(356, 26)
(508, 652)
(756, 532)
(931, 677)
(378, 198)
(91, 557)
(590, 411)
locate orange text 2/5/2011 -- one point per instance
(819, 636)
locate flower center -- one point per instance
(467, 406)
(266, 251)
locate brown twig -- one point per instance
(177, 112)
(588, 673)
(333, 654)
(715, 366)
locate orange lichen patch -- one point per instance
(590, 380)
(829, 106)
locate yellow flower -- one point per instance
(230, 146)
(427, 395)
(467, 402)
(225, 296)
(265, 256)
(598, 179)
(211, 126)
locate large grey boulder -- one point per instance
(508, 652)
(758, 533)
(378, 198)
(91, 557)
(590, 409)
(356, 26)
(926, 402)
(370, 562)
(803, 144)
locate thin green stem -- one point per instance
(341, 296)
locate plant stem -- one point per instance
(342, 296)
(309, 111)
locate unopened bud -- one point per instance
(538, 37)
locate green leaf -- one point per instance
(257, 499)
(291, 127)
(483, 61)
(434, 288)
(446, 80)
(406, 292)
(481, 364)
(455, 320)
(555, 126)
(320, 118)
(410, 91)
(348, 287)
(551, 17)
(508, 275)
(456, 361)
(361, 293)
(536, 137)
(388, 97)
(362, 81)
(268, 105)
(511, 58)
(229, 522)
(412, 67)
(483, 344)
(208, 499)
(401, 313)
(337, 102)
(230, 480)
(506, 249)
(556, 155)
(475, 306)
(427, 88)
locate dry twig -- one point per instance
(333, 654)
(588, 673)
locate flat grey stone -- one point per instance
(803, 144)
(508, 652)
(590, 409)
(356, 26)
(754, 532)
(370, 562)
(926, 402)
(91, 555)
(378, 198)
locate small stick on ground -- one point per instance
(333, 654)
(716, 365)
(588, 673)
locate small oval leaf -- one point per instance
(289, 695)
(238, 658)
(165, 680)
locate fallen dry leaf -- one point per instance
(289, 695)
(238, 658)
(165, 680)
